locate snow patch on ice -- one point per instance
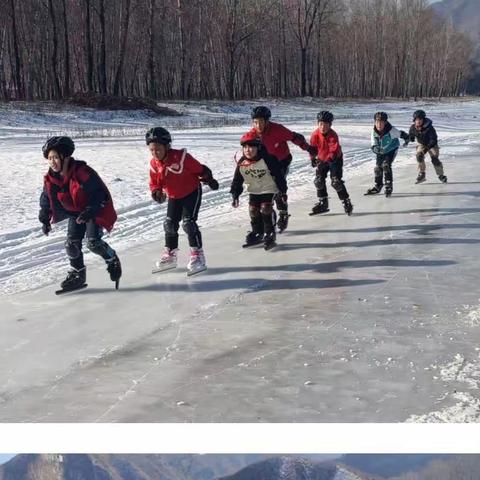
(466, 410)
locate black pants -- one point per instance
(383, 168)
(284, 167)
(335, 167)
(262, 214)
(185, 209)
(76, 232)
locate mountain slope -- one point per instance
(123, 467)
(291, 468)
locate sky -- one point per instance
(4, 457)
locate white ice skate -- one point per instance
(168, 261)
(197, 262)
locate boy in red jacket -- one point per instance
(74, 191)
(329, 158)
(274, 138)
(175, 175)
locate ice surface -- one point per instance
(363, 318)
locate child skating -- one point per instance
(329, 159)
(176, 177)
(265, 180)
(385, 143)
(423, 131)
(74, 191)
(275, 137)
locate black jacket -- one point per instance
(426, 136)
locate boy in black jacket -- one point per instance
(422, 130)
(265, 180)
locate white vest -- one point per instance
(257, 177)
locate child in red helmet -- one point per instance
(262, 175)
(329, 158)
(74, 191)
(175, 175)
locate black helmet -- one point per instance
(63, 145)
(158, 135)
(261, 112)
(381, 116)
(325, 116)
(419, 114)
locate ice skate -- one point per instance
(252, 239)
(421, 177)
(75, 281)
(197, 262)
(168, 261)
(347, 206)
(114, 268)
(282, 222)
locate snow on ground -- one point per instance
(113, 143)
(372, 317)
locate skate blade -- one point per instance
(62, 291)
(421, 181)
(163, 269)
(270, 247)
(194, 272)
(312, 214)
(248, 245)
(117, 283)
(369, 194)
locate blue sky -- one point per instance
(4, 457)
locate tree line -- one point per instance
(229, 49)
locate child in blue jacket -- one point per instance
(385, 144)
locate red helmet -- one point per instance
(250, 138)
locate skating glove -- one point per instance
(159, 196)
(213, 184)
(46, 228)
(406, 142)
(235, 202)
(86, 216)
(284, 198)
(314, 161)
(377, 150)
(312, 150)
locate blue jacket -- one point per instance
(387, 141)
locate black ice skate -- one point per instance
(252, 239)
(388, 189)
(442, 178)
(421, 177)
(347, 206)
(374, 190)
(114, 268)
(269, 241)
(282, 222)
(75, 281)
(320, 207)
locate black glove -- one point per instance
(86, 216)
(314, 161)
(235, 201)
(406, 142)
(284, 197)
(377, 150)
(159, 196)
(213, 184)
(312, 150)
(46, 228)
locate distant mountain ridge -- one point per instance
(465, 15)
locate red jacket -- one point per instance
(179, 174)
(80, 187)
(275, 138)
(328, 145)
